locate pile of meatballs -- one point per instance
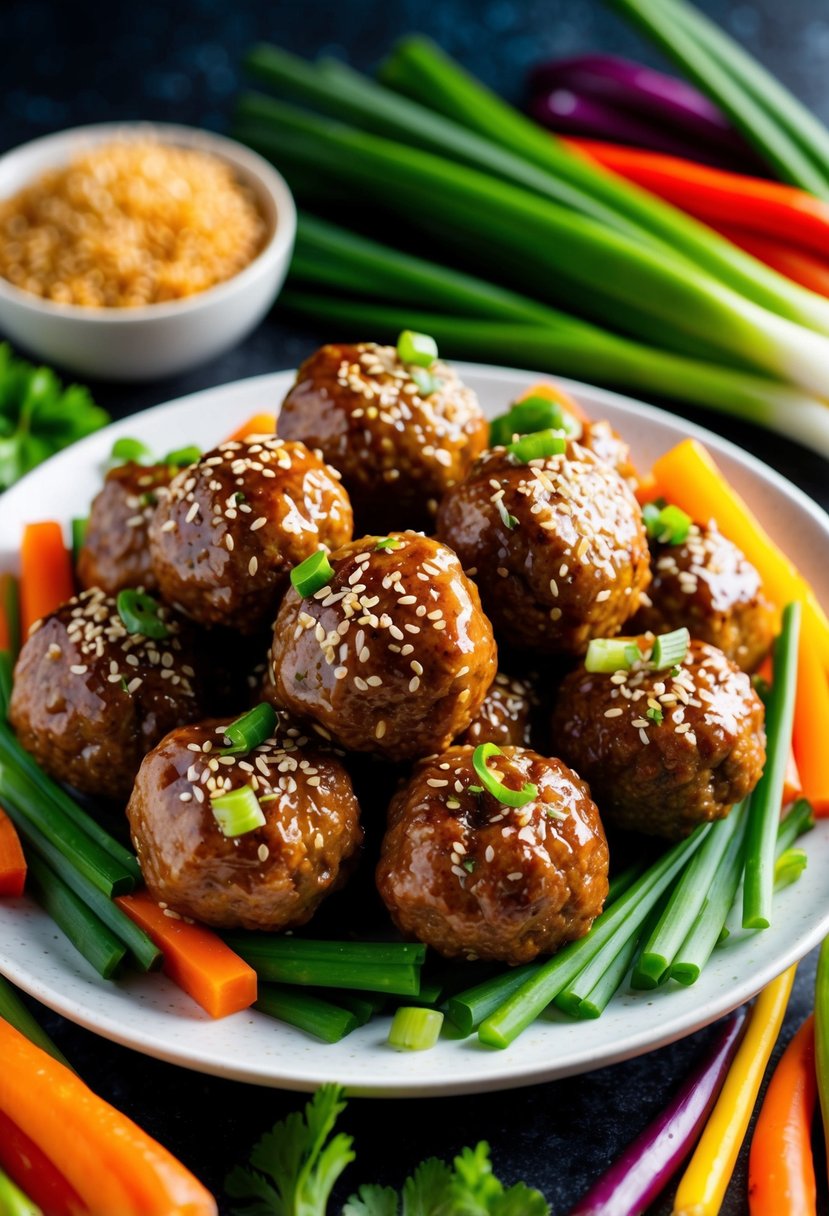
(442, 552)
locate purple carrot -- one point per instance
(647, 1165)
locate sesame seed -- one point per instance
(78, 669)
(258, 523)
(612, 713)
(168, 526)
(253, 565)
(380, 729)
(515, 876)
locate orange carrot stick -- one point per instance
(792, 783)
(45, 572)
(12, 861)
(259, 424)
(194, 958)
(33, 1172)
(555, 393)
(810, 737)
(114, 1166)
(781, 1170)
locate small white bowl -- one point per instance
(153, 340)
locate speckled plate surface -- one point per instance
(151, 1015)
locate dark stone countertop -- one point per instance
(69, 64)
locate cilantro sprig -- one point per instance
(38, 416)
(297, 1164)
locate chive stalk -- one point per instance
(317, 1017)
(90, 937)
(10, 609)
(764, 810)
(250, 730)
(334, 965)
(468, 1009)
(78, 529)
(6, 682)
(282, 948)
(312, 574)
(597, 998)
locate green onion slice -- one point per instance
(529, 416)
(132, 451)
(789, 866)
(491, 783)
(537, 446)
(312, 574)
(425, 381)
(415, 1029)
(140, 613)
(183, 456)
(237, 811)
(387, 542)
(509, 521)
(416, 348)
(248, 731)
(669, 649)
(669, 525)
(607, 655)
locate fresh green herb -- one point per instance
(667, 524)
(475, 789)
(130, 451)
(122, 684)
(415, 348)
(537, 446)
(655, 714)
(312, 574)
(427, 384)
(468, 864)
(239, 496)
(509, 521)
(493, 786)
(669, 649)
(181, 457)
(414, 1029)
(248, 731)
(38, 416)
(237, 812)
(141, 613)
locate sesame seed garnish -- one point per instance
(253, 565)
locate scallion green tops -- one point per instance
(312, 574)
(489, 782)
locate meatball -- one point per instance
(608, 445)
(223, 541)
(664, 752)
(393, 655)
(505, 715)
(90, 698)
(272, 877)
(706, 584)
(398, 449)
(472, 877)
(557, 547)
(115, 552)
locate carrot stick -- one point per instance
(689, 477)
(110, 1162)
(195, 958)
(33, 1172)
(46, 579)
(810, 738)
(781, 1169)
(12, 861)
(768, 208)
(555, 393)
(259, 424)
(704, 1183)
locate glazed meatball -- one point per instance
(606, 443)
(706, 584)
(393, 655)
(115, 552)
(664, 752)
(557, 547)
(90, 698)
(273, 877)
(472, 877)
(232, 526)
(397, 449)
(505, 715)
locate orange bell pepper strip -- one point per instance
(770, 209)
(33, 1172)
(46, 579)
(781, 1168)
(195, 958)
(259, 424)
(800, 265)
(114, 1166)
(12, 861)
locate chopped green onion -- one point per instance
(263, 948)
(130, 451)
(655, 714)
(415, 1029)
(78, 532)
(475, 789)
(669, 649)
(425, 381)
(509, 521)
(530, 415)
(416, 348)
(606, 655)
(669, 525)
(789, 866)
(307, 1012)
(140, 613)
(387, 542)
(537, 446)
(492, 785)
(237, 811)
(248, 731)
(312, 574)
(90, 937)
(183, 456)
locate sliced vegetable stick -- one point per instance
(781, 1168)
(792, 784)
(113, 1165)
(34, 1173)
(259, 424)
(9, 614)
(12, 861)
(810, 738)
(555, 393)
(796, 264)
(704, 1183)
(195, 958)
(46, 579)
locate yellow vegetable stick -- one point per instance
(686, 475)
(704, 1183)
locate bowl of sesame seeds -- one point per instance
(133, 251)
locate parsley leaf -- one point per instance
(38, 416)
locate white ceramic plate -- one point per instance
(151, 1015)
